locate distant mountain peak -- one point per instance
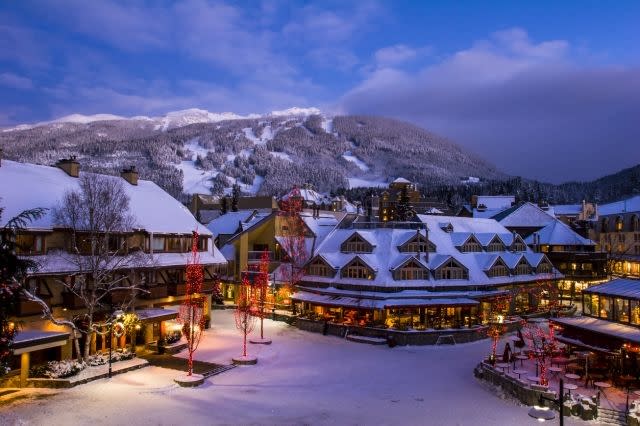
(172, 119)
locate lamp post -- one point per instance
(542, 413)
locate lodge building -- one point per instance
(162, 236)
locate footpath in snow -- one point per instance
(302, 378)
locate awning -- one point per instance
(353, 302)
(580, 344)
(35, 340)
(156, 314)
(607, 328)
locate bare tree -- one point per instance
(104, 264)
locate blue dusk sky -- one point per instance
(544, 89)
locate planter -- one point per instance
(245, 360)
(189, 381)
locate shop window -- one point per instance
(587, 304)
(605, 308)
(621, 310)
(635, 312)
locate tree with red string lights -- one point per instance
(293, 232)
(245, 317)
(543, 344)
(495, 317)
(259, 291)
(191, 312)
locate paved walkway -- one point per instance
(207, 369)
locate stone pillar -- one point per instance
(148, 333)
(66, 351)
(92, 349)
(25, 359)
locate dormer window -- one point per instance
(411, 270)
(619, 223)
(452, 270)
(635, 223)
(320, 268)
(544, 267)
(357, 269)
(356, 244)
(523, 268)
(446, 227)
(496, 245)
(471, 245)
(418, 243)
(499, 269)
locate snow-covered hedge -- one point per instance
(68, 368)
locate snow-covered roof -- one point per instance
(567, 209)
(229, 223)
(26, 186)
(401, 180)
(58, 262)
(524, 215)
(609, 328)
(385, 255)
(623, 287)
(557, 233)
(322, 225)
(627, 205)
(496, 201)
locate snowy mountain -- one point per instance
(196, 150)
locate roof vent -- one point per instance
(70, 165)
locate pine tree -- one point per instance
(235, 197)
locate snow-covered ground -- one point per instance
(358, 162)
(195, 180)
(366, 183)
(302, 378)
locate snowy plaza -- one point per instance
(302, 378)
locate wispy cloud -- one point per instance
(13, 81)
(518, 103)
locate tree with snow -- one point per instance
(293, 232)
(97, 215)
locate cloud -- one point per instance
(14, 81)
(527, 107)
(394, 55)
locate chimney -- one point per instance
(70, 166)
(130, 175)
(426, 237)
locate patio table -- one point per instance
(504, 366)
(521, 358)
(570, 387)
(602, 386)
(572, 376)
(520, 372)
(555, 370)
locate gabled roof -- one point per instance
(496, 201)
(362, 236)
(401, 180)
(324, 259)
(557, 233)
(26, 186)
(535, 259)
(400, 261)
(369, 261)
(511, 259)
(526, 215)
(485, 238)
(492, 260)
(230, 222)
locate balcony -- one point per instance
(256, 256)
(175, 289)
(71, 301)
(155, 292)
(27, 307)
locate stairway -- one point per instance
(611, 417)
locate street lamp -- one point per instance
(543, 413)
(114, 317)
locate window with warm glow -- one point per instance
(412, 271)
(523, 269)
(356, 244)
(498, 270)
(357, 270)
(452, 270)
